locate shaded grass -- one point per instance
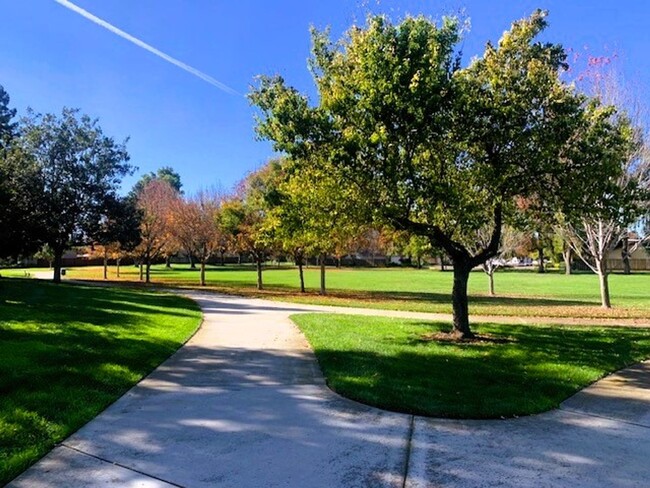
(520, 293)
(68, 351)
(388, 363)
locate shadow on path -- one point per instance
(244, 404)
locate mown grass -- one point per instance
(68, 351)
(20, 272)
(519, 293)
(389, 363)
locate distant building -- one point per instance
(639, 258)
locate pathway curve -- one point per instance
(243, 404)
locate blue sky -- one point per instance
(51, 57)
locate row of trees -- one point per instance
(403, 142)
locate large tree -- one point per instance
(19, 192)
(78, 172)
(7, 123)
(432, 148)
(166, 174)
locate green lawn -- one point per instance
(19, 272)
(521, 293)
(387, 363)
(68, 351)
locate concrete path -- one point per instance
(243, 404)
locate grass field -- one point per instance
(68, 351)
(389, 363)
(520, 293)
(19, 272)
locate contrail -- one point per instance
(144, 45)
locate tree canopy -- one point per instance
(7, 114)
(166, 174)
(77, 171)
(431, 147)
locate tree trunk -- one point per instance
(419, 262)
(603, 278)
(168, 263)
(540, 264)
(58, 263)
(490, 274)
(148, 271)
(459, 300)
(141, 270)
(625, 256)
(338, 262)
(223, 261)
(239, 258)
(299, 258)
(302, 277)
(258, 262)
(105, 265)
(442, 262)
(567, 255)
(202, 272)
(117, 267)
(322, 275)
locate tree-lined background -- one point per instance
(405, 152)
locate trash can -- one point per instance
(63, 272)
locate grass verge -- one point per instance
(388, 363)
(68, 351)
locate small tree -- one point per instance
(310, 214)
(195, 225)
(155, 203)
(618, 200)
(417, 247)
(46, 253)
(170, 176)
(511, 240)
(119, 231)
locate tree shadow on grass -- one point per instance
(290, 291)
(505, 301)
(39, 302)
(68, 352)
(537, 369)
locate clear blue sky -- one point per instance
(51, 57)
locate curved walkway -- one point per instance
(243, 404)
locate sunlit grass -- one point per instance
(520, 293)
(389, 363)
(68, 351)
